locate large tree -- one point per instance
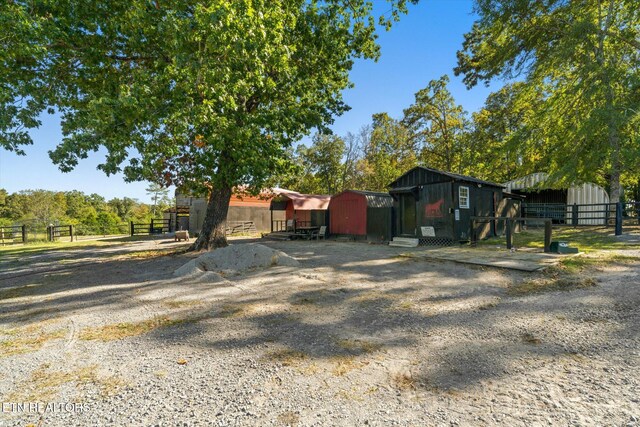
(583, 58)
(203, 94)
(390, 152)
(505, 136)
(438, 126)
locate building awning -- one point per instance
(301, 202)
(411, 189)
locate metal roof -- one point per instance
(454, 176)
(304, 202)
(374, 199)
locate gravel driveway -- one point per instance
(356, 336)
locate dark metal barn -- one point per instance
(362, 215)
(437, 206)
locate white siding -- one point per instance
(587, 193)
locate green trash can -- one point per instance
(562, 248)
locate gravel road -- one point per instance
(354, 336)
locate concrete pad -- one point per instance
(523, 261)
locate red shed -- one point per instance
(361, 214)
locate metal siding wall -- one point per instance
(379, 224)
(587, 193)
(260, 216)
(348, 214)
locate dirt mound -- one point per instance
(236, 258)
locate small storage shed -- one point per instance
(362, 215)
(304, 209)
(544, 201)
(436, 206)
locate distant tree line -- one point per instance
(500, 142)
(90, 213)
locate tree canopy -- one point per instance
(580, 63)
(203, 94)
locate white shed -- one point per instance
(582, 194)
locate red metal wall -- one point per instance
(348, 214)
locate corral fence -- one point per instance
(614, 215)
(13, 234)
(510, 225)
(240, 228)
(156, 226)
(56, 232)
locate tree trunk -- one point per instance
(213, 234)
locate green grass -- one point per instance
(119, 331)
(586, 239)
(36, 248)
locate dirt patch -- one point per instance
(235, 259)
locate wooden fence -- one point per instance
(509, 228)
(13, 234)
(156, 226)
(55, 232)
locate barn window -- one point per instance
(463, 197)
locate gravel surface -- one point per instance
(355, 335)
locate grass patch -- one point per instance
(119, 331)
(151, 253)
(289, 418)
(20, 344)
(36, 248)
(404, 381)
(489, 305)
(231, 310)
(358, 346)
(552, 284)
(586, 239)
(286, 357)
(529, 338)
(345, 364)
(182, 303)
(44, 383)
(577, 264)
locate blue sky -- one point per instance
(419, 48)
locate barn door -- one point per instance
(407, 215)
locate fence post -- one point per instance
(574, 216)
(71, 232)
(508, 232)
(24, 233)
(547, 235)
(151, 227)
(49, 234)
(473, 232)
(618, 218)
(133, 230)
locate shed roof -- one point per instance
(304, 202)
(374, 199)
(454, 176)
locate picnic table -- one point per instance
(307, 231)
